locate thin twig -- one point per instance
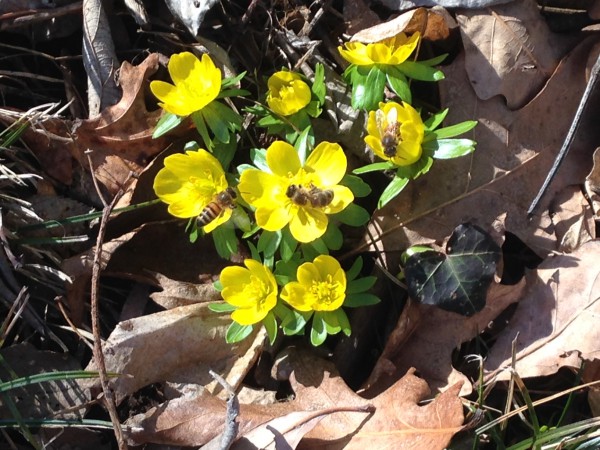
(98, 354)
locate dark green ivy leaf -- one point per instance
(458, 280)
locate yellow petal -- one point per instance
(273, 218)
(375, 144)
(308, 225)
(249, 316)
(328, 160)
(287, 94)
(355, 53)
(282, 159)
(296, 295)
(402, 47)
(223, 217)
(342, 197)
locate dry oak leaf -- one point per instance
(515, 150)
(399, 421)
(179, 345)
(345, 420)
(556, 322)
(510, 51)
(437, 333)
(120, 138)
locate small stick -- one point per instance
(569, 139)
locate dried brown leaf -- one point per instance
(437, 334)
(556, 322)
(179, 345)
(510, 51)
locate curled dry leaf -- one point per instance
(556, 322)
(514, 153)
(573, 219)
(510, 51)
(430, 24)
(119, 139)
(179, 345)
(437, 333)
(592, 183)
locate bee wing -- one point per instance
(392, 117)
(380, 120)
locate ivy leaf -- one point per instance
(458, 280)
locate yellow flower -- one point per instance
(196, 84)
(301, 196)
(287, 94)
(391, 51)
(395, 133)
(189, 183)
(321, 286)
(253, 291)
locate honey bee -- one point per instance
(317, 198)
(224, 199)
(390, 134)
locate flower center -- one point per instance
(325, 292)
(257, 290)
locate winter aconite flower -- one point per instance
(287, 94)
(395, 133)
(189, 183)
(251, 290)
(321, 286)
(391, 51)
(295, 194)
(197, 83)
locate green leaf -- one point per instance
(285, 271)
(253, 251)
(224, 152)
(392, 190)
(233, 93)
(313, 109)
(458, 280)
(288, 245)
(268, 121)
(333, 237)
(450, 148)
(419, 168)
(258, 156)
(368, 84)
(399, 84)
(355, 269)
(384, 165)
(435, 120)
(218, 286)
(318, 85)
(353, 215)
(360, 285)
(236, 332)
(420, 71)
(270, 324)
(240, 219)
(198, 120)
(225, 241)
(318, 333)
(294, 322)
(453, 130)
(166, 123)
(215, 123)
(318, 246)
(330, 319)
(221, 307)
(342, 319)
(359, 300)
(410, 251)
(356, 184)
(303, 143)
(434, 61)
(269, 242)
(232, 81)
